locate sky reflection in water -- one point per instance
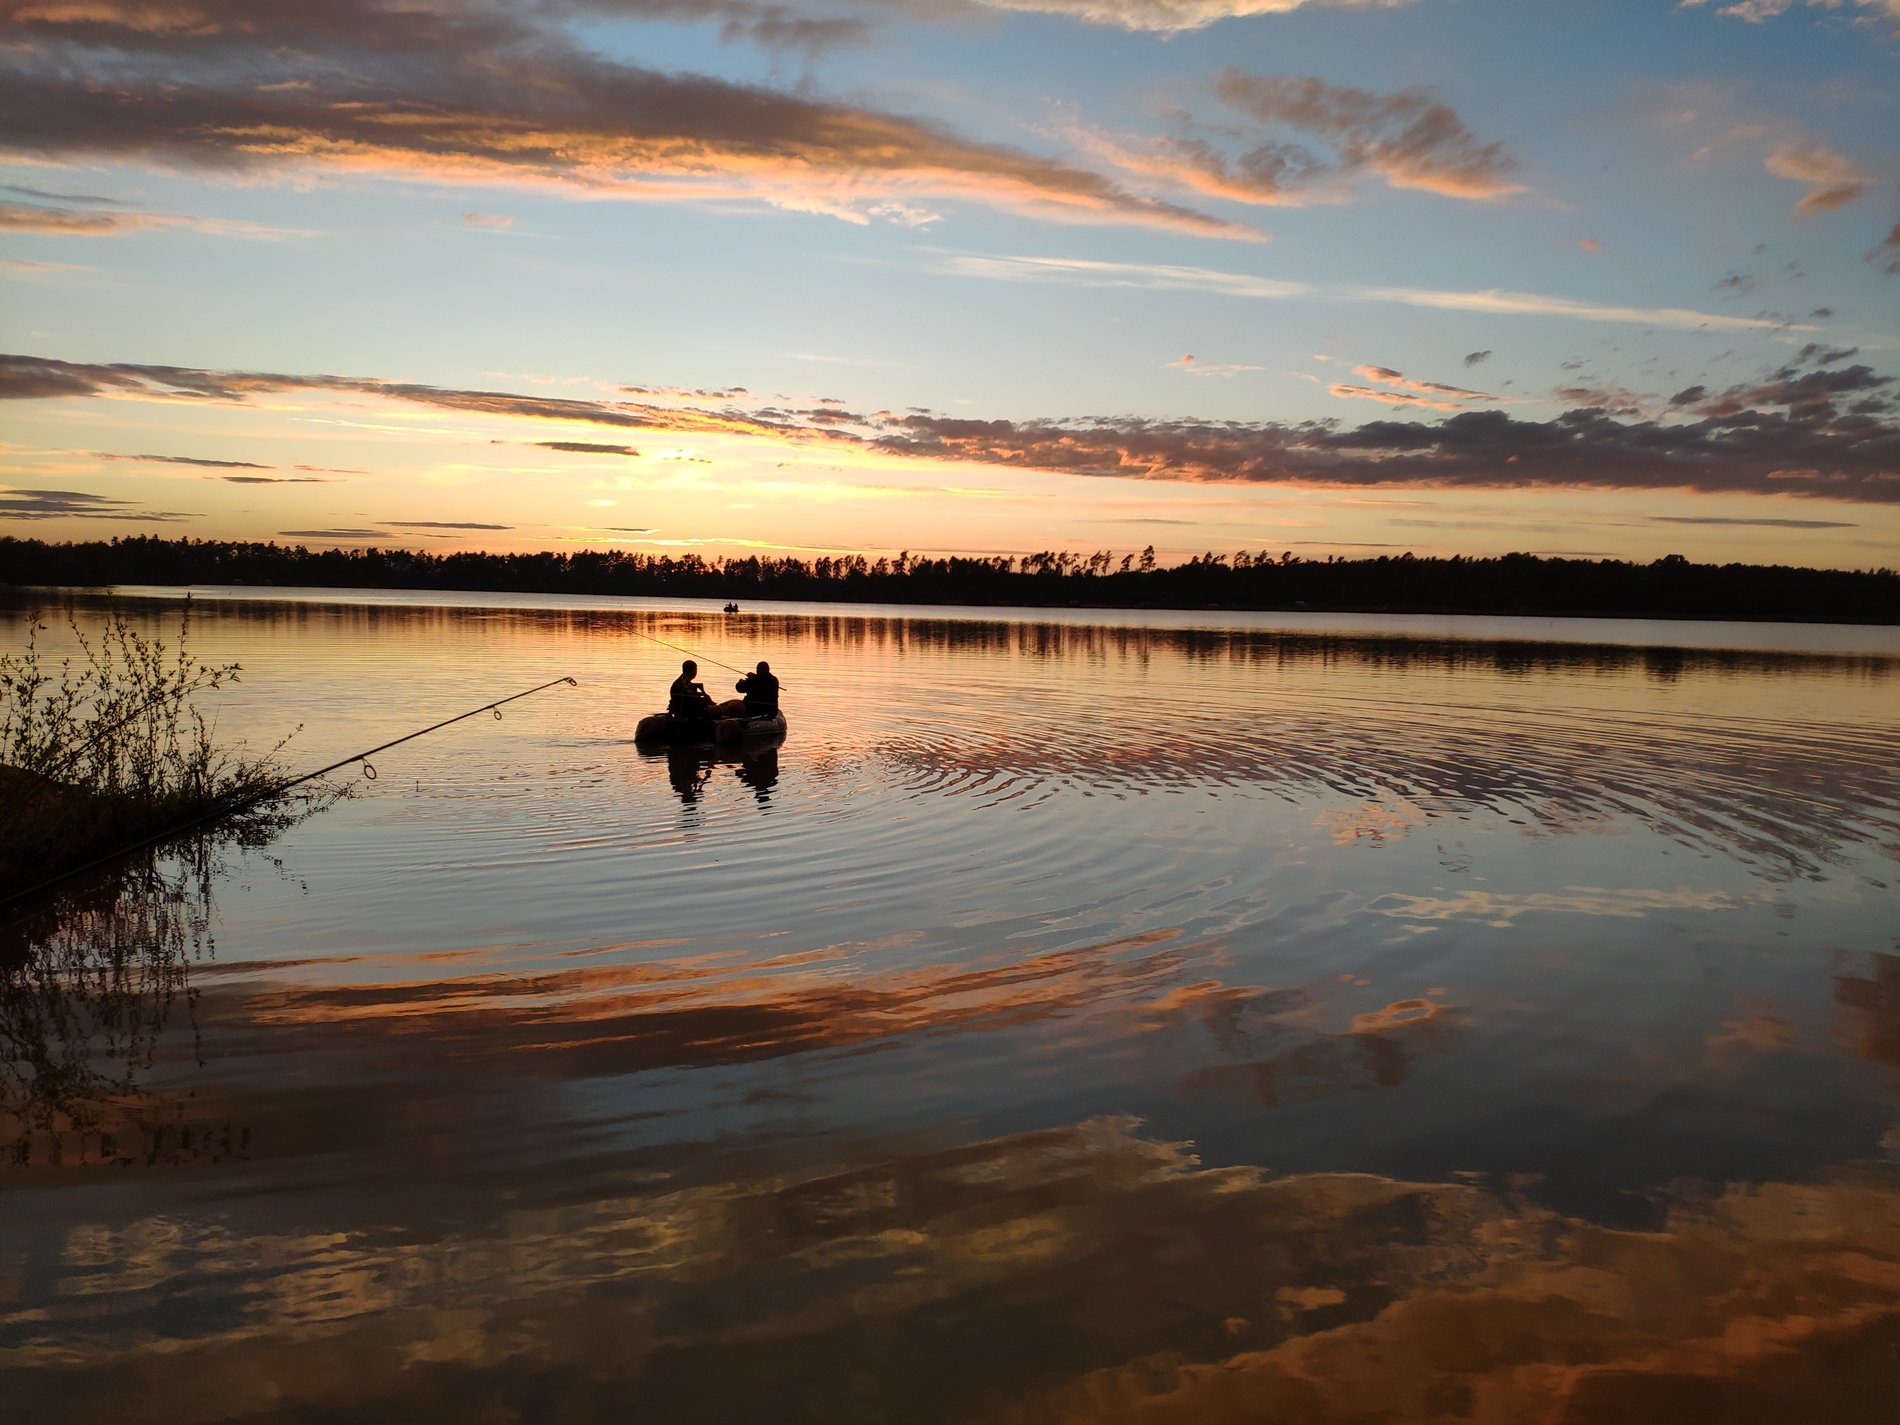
(1065, 1022)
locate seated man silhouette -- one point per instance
(687, 701)
(761, 691)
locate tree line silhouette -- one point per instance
(1671, 587)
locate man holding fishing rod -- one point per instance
(761, 691)
(687, 700)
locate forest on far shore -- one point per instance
(1671, 587)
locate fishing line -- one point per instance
(246, 803)
(742, 672)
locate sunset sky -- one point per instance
(1605, 278)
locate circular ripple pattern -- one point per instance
(1780, 794)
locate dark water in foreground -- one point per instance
(1070, 1022)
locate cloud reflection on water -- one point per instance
(1087, 1272)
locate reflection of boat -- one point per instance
(690, 766)
(727, 728)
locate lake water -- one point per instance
(1079, 1017)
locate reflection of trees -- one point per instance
(90, 981)
(86, 987)
(1254, 647)
(1053, 638)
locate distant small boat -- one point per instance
(732, 608)
(729, 727)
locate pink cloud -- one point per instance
(1386, 376)
(1196, 367)
(1833, 181)
(1390, 398)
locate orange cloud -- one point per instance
(1788, 152)
(1833, 181)
(74, 222)
(1407, 139)
(1386, 376)
(498, 96)
(1390, 398)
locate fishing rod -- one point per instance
(363, 757)
(243, 804)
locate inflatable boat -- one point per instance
(728, 726)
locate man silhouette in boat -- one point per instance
(687, 701)
(761, 691)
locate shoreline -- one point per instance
(1811, 637)
(1522, 586)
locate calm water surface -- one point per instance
(1078, 1018)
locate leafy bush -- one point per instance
(106, 749)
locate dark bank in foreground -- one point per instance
(103, 750)
(1668, 588)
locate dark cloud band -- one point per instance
(586, 447)
(77, 504)
(1832, 437)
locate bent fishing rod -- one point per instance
(243, 804)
